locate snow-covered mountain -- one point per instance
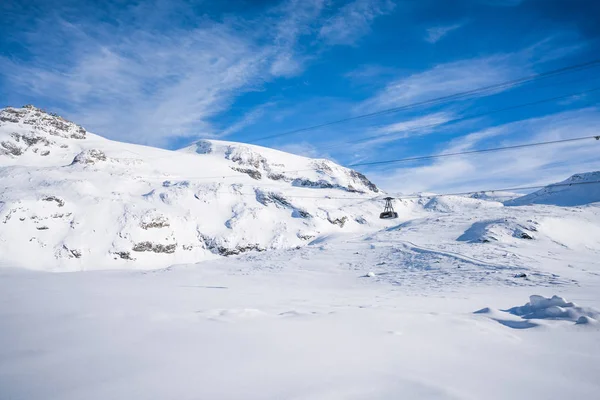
(577, 190)
(74, 200)
(79, 199)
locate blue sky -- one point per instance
(165, 73)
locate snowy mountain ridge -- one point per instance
(578, 189)
(79, 201)
(71, 196)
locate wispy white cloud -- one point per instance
(353, 20)
(421, 124)
(414, 127)
(468, 74)
(300, 18)
(528, 166)
(130, 80)
(248, 119)
(436, 33)
(445, 79)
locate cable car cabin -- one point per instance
(388, 211)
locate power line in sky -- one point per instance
(457, 120)
(429, 157)
(437, 100)
(519, 146)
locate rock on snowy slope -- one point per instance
(81, 200)
(579, 189)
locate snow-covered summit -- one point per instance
(78, 199)
(270, 164)
(579, 189)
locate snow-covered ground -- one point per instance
(306, 324)
(461, 297)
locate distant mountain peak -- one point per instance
(32, 130)
(42, 121)
(577, 190)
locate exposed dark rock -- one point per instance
(10, 148)
(72, 253)
(30, 139)
(91, 156)
(268, 198)
(239, 250)
(278, 177)
(41, 120)
(299, 213)
(314, 184)
(58, 201)
(372, 187)
(158, 222)
(42, 228)
(525, 235)
(183, 184)
(322, 166)
(254, 174)
(215, 247)
(45, 153)
(338, 221)
(60, 215)
(281, 202)
(203, 147)
(521, 275)
(125, 255)
(245, 156)
(360, 220)
(155, 247)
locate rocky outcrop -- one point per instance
(59, 202)
(340, 221)
(9, 148)
(89, 157)
(252, 173)
(43, 121)
(154, 222)
(155, 247)
(364, 180)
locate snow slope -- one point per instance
(87, 203)
(586, 190)
(343, 306)
(309, 324)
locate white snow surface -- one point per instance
(86, 202)
(577, 190)
(339, 305)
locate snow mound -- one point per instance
(555, 307)
(540, 308)
(448, 204)
(579, 189)
(499, 230)
(91, 156)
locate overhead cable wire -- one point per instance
(457, 120)
(437, 100)
(458, 153)
(427, 157)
